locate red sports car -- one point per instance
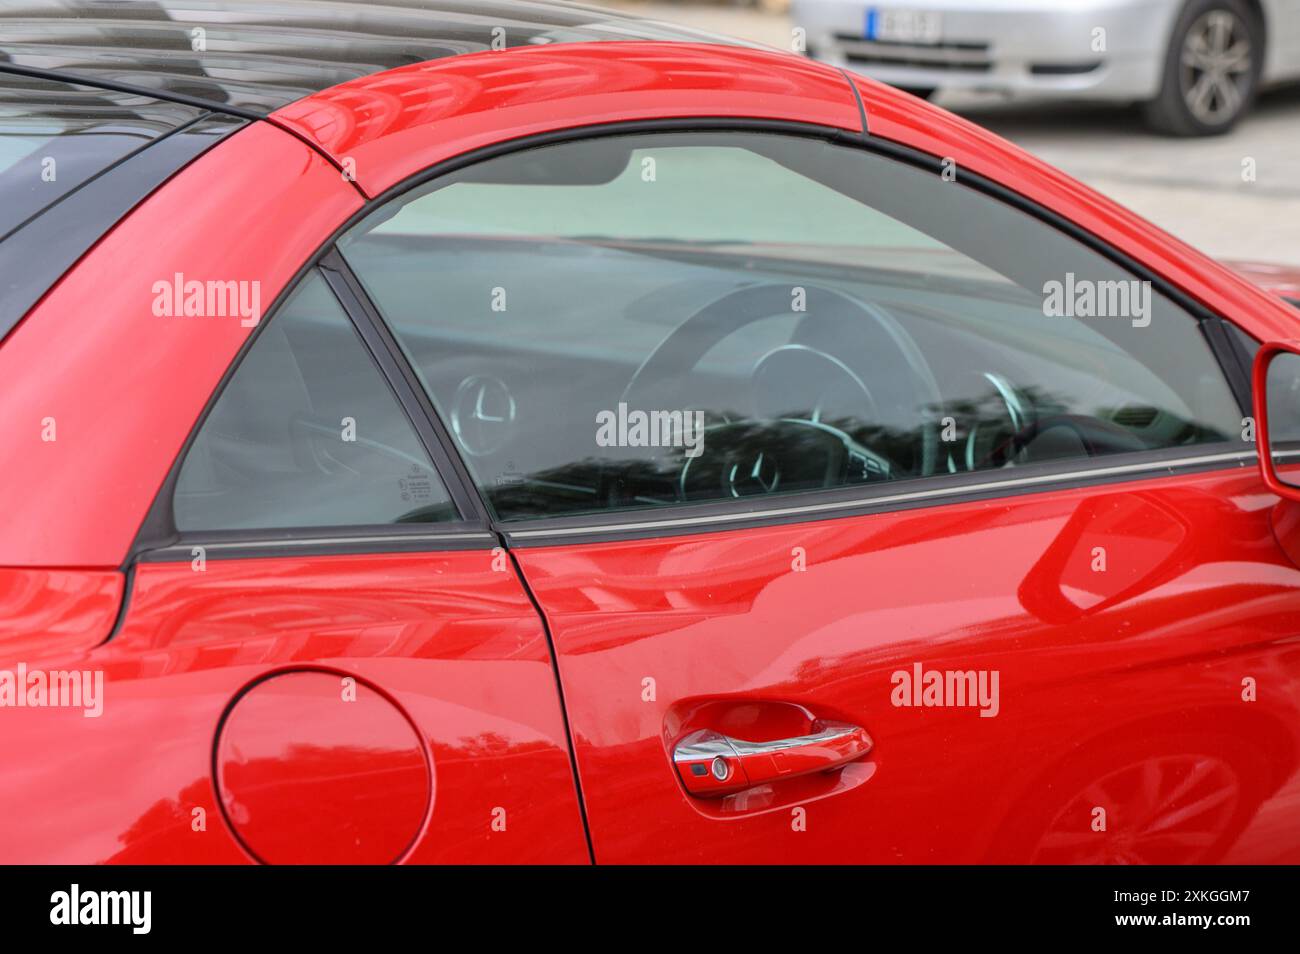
(515, 432)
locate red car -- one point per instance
(514, 432)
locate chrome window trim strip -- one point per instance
(340, 544)
(339, 541)
(1155, 468)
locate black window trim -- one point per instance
(158, 538)
(406, 383)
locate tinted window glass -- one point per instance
(307, 433)
(637, 321)
(55, 136)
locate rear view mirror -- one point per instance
(1276, 392)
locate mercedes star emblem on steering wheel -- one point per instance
(761, 476)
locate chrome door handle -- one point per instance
(712, 764)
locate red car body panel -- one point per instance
(1145, 664)
(1097, 673)
(53, 611)
(385, 123)
(454, 643)
(123, 386)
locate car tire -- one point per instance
(1205, 86)
(922, 92)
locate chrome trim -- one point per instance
(307, 542)
(831, 733)
(706, 745)
(703, 746)
(936, 493)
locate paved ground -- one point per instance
(1192, 188)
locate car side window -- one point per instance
(642, 320)
(307, 433)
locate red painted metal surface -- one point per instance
(51, 611)
(391, 125)
(453, 642)
(1105, 679)
(319, 768)
(118, 387)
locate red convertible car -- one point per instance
(515, 432)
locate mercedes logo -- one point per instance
(758, 475)
(483, 414)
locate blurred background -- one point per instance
(1235, 195)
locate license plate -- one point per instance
(904, 26)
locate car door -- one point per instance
(873, 518)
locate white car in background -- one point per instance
(1194, 64)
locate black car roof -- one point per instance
(251, 57)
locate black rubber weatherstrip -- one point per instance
(1235, 362)
(857, 96)
(405, 383)
(124, 608)
(564, 708)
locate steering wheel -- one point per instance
(844, 351)
(1065, 435)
